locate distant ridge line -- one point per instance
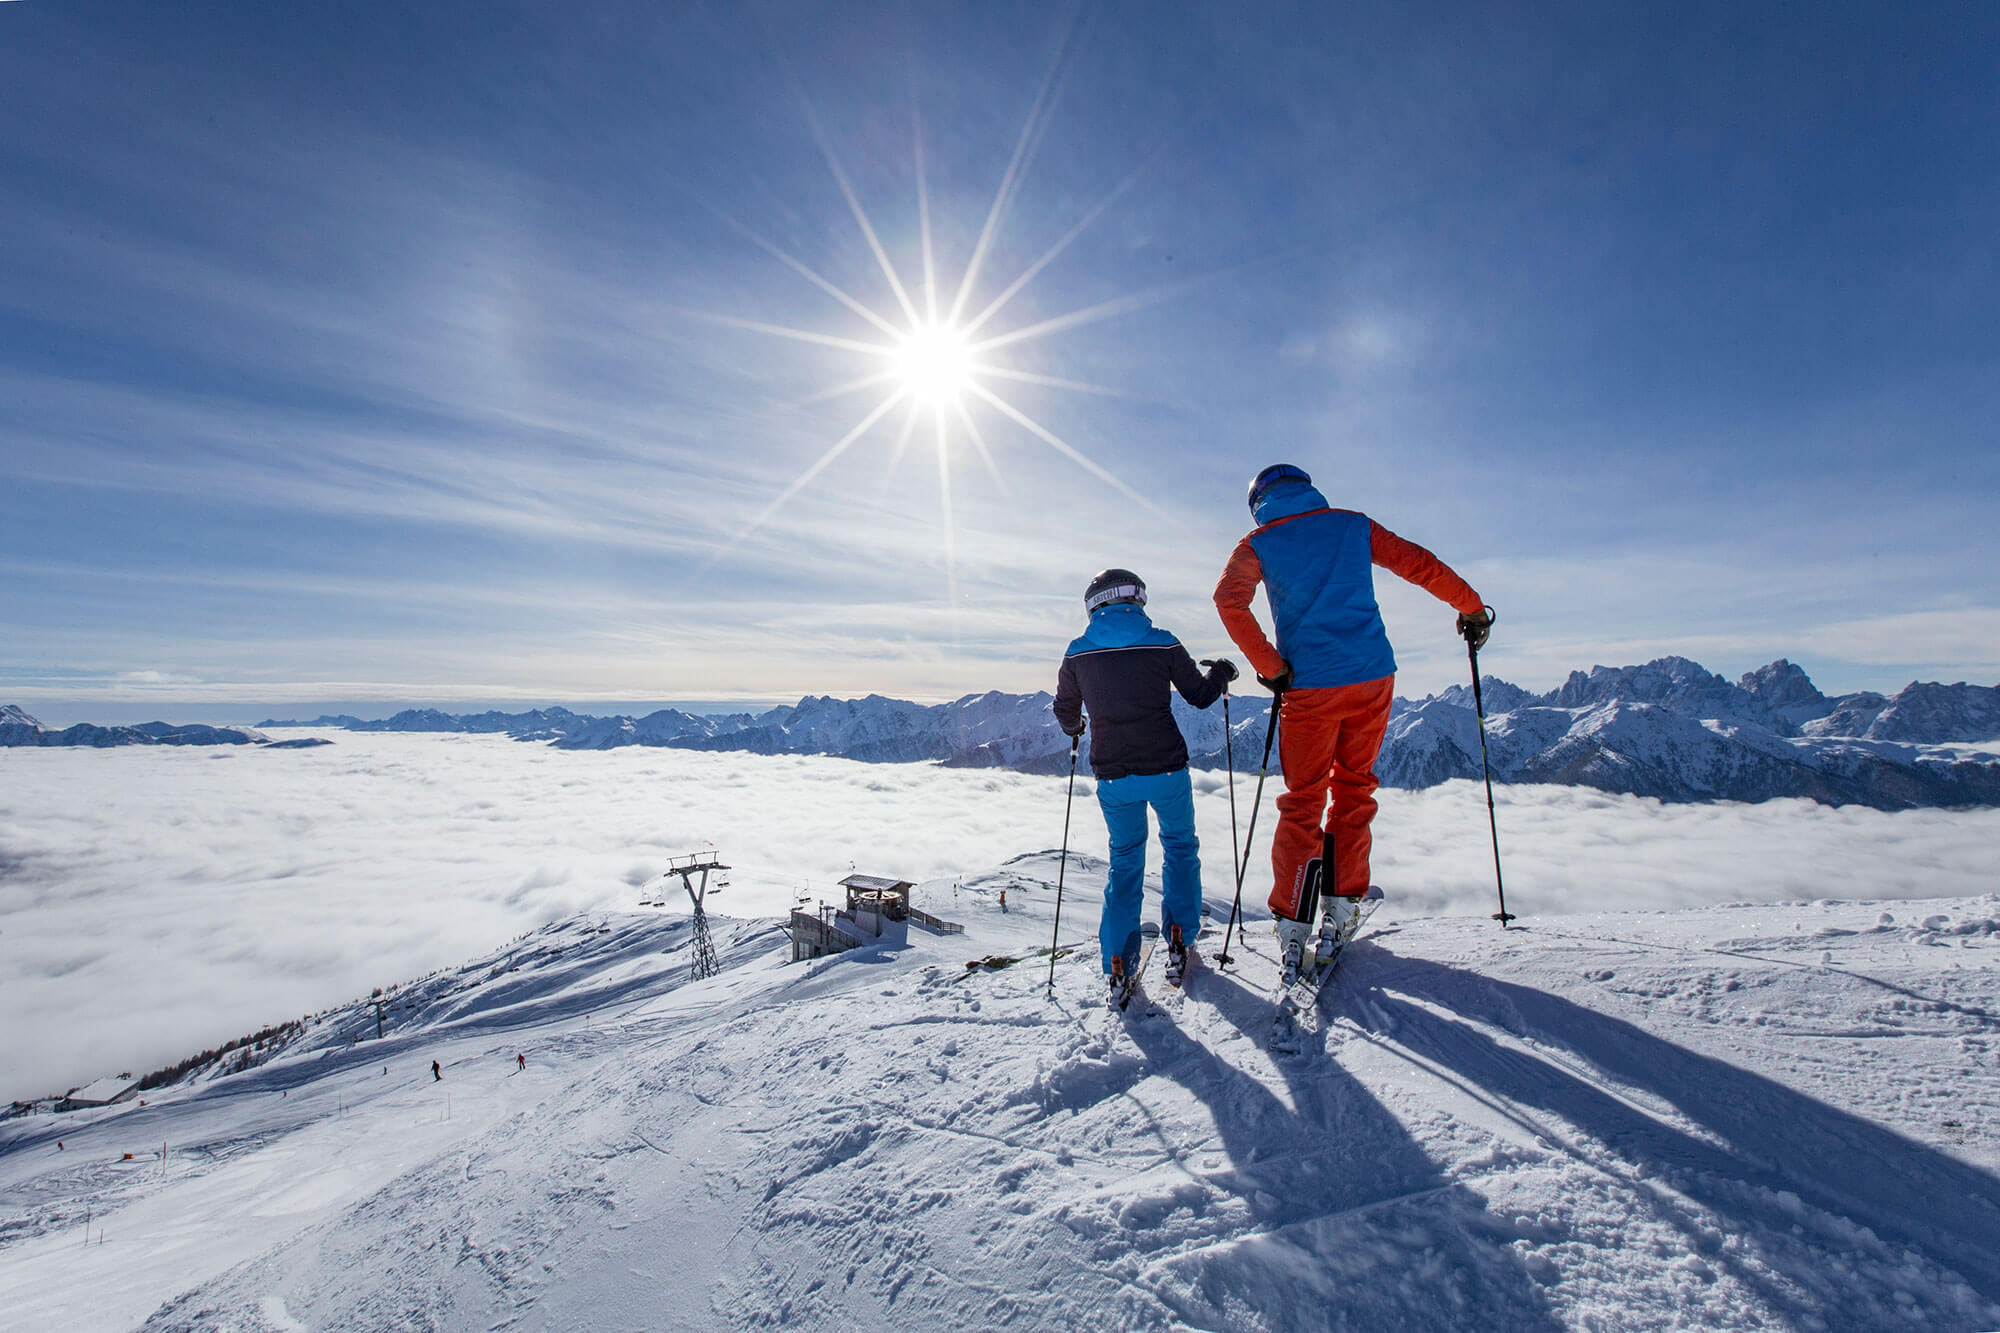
(1668, 729)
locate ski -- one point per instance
(1122, 997)
(1297, 1005)
(1179, 955)
(1177, 981)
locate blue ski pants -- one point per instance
(1124, 802)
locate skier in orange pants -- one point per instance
(1333, 678)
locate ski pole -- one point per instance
(1229, 761)
(1062, 867)
(1503, 916)
(1224, 959)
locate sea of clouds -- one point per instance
(154, 902)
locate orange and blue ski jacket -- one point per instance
(1317, 567)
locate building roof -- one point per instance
(104, 1090)
(876, 884)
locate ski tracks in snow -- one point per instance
(1520, 1131)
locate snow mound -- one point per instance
(1734, 1117)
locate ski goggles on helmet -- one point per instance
(1114, 585)
(1274, 475)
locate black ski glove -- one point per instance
(1223, 667)
(1074, 734)
(1279, 683)
(1476, 627)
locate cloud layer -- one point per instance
(156, 902)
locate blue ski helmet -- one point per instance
(1114, 586)
(1271, 476)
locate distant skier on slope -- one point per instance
(1332, 675)
(1122, 670)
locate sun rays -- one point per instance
(942, 367)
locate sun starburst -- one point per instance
(943, 363)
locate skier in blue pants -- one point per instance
(1122, 670)
(1124, 801)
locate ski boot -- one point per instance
(1293, 940)
(1335, 926)
(1114, 993)
(1176, 956)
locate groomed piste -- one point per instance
(1733, 1117)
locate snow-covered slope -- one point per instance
(1753, 1116)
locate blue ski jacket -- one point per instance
(1123, 669)
(1317, 567)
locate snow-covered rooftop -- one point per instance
(103, 1090)
(876, 884)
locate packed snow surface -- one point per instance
(1729, 1117)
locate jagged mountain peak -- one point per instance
(1650, 682)
(1500, 696)
(1925, 712)
(1781, 683)
(13, 715)
(1788, 693)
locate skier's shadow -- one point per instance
(1354, 1222)
(1754, 1130)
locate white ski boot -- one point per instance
(1334, 926)
(1343, 918)
(1293, 939)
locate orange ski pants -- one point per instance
(1327, 742)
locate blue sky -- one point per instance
(365, 351)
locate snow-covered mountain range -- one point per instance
(1768, 1116)
(1668, 729)
(1672, 730)
(17, 728)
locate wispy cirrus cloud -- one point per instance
(442, 335)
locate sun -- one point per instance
(932, 357)
(935, 365)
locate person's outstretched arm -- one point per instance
(1240, 578)
(1069, 701)
(1409, 561)
(1197, 688)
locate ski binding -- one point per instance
(1298, 1002)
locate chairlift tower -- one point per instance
(687, 867)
